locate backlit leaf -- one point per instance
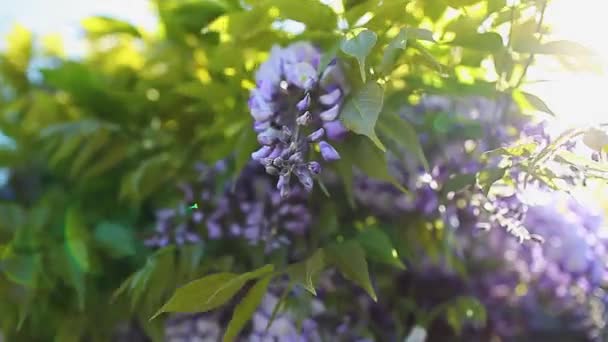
(359, 47)
(349, 258)
(246, 308)
(401, 131)
(378, 247)
(362, 109)
(210, 292)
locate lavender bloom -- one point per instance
(182, 224)
(294, 105)
(562, 279)
(253, 209)
(197, 327)
(283, 327)
(256, 211)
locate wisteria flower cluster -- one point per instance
(296, 104)
(250, 209)
(558, 282)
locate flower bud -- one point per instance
(304, 103)
(316, 135)
(331, 98)
(304, 119)
(328, 152)
(330, 114)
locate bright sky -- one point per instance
(577, 98)
(64, 16)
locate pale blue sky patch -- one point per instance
(63, 17)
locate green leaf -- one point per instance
(560, 47)
(210, 292)
(461, 3)
(401, 131)
(488, 41)
(362, 109)
(378, 247)
(190, 258)
(77, 237)
(244, 25)
(246, 308)
(70, 329)
(520, 150)
(537, 103)
(67, 147)
(22, 269)
(117, 239)
(596, 139)
(463, 310)
(359, 47)
(428, 57)
(349, 258)
(487, 177)
(88, 89)
(100, 26)
(328, 56)
(312, 13)
(162, 278)
(393, 50)
(247, 143)
(496, 5)
(344, 168)
(93, 144)
(147, 177)
(579, 161)
(306, 273)
(419, 34)
(360, 152)
(280, 304)
(459, 182)
(358, 8)
(111, 157)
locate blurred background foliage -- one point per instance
(94, 144)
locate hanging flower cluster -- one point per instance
(561, 281)
(251, 209)
(295, 105)
(255, 211)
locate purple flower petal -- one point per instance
(331, 98)
(330, 114)
(269, 136)
(304, 119)
(316, 135)
(261, 153)
(328, 152)
(304, 177)
(304, 103)
(302, 75)
(283, 185)
(314, 167)
(335, 130)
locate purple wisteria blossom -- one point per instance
(194, 327)
(181, 224)
(255, 211)
(296, 104)
(251, 209)
(560, 282)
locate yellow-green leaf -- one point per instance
(245, 309)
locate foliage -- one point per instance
(98, 145)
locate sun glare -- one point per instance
(577, 97)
